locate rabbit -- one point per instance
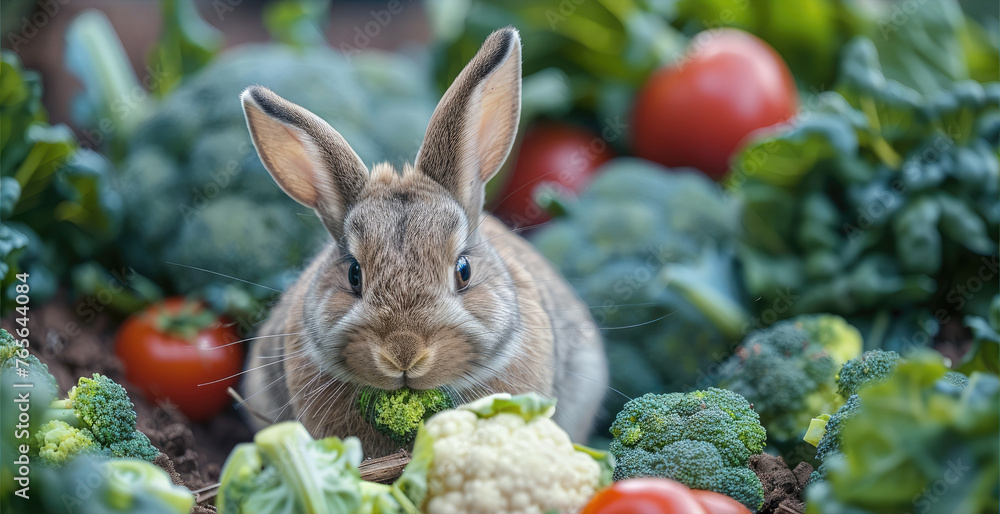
(418, 286)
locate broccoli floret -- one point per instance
(103, 408)
(137, 446)
(704, 439)
(841, 340)
(398, 413)
(829, 444)
(872, 367)
(787, 371)
(59, 442)
(956, 379)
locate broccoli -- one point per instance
(703, 439)
(399, 413)
(103, 408)
(829, 443)
(59, 443)
(501, 453)
(285, 470)
(913, 433)
(872, 367)
(787, 372)
(651, 250)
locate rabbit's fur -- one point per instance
(516, 327)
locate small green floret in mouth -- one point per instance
(398, 413)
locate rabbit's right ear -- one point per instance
(308, 159)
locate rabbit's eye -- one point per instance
(354, 276)
(463, 272)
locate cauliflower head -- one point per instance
(502, 454)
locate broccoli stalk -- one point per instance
(703, 439)
(398, 414)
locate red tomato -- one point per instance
(644, 496)
(170, 348)
(552, 155)
(697, 112)
(718, 503)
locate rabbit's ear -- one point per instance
(308, 158)
(473, 127)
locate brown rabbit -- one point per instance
(419, 287)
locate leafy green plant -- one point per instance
(59, 208)
(879, 205)
(917, 429)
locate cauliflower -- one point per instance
(501, 454)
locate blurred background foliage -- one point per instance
(876, 201)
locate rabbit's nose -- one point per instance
(403, 350)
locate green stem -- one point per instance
(728, 316)
(61, 411)
(880, 146)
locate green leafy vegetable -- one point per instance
(187, 43)
(58, 207)
(286, 471)
(879, 205)
(911, 432)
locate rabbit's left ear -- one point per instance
(473, 127)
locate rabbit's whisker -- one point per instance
(223, 275)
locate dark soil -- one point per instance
(75, 345)
(782, 486)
